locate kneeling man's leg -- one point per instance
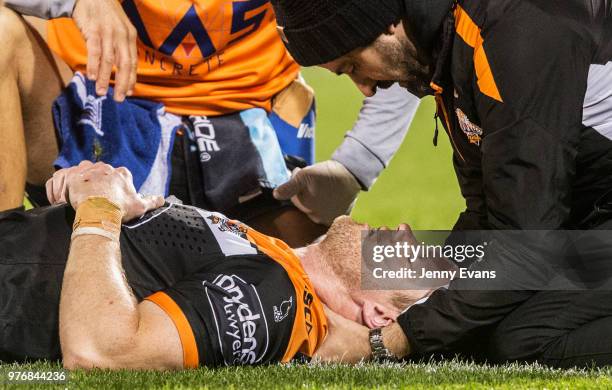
(588, 345)
(557, 328)
(29, 82)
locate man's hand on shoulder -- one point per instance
(323, 191)
(78, 183)
(111, 41)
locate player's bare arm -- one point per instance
(101, 323)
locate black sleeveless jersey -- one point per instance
(231, 302)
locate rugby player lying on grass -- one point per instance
(177, 288)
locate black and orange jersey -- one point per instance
(235, 296)
(252, 302)
(204, 57)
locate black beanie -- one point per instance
(319, 31)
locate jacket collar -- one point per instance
(425, 18)
(442, 51)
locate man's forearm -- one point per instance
(98, 313)
(379, 131)
(396, 341)
(101, 323)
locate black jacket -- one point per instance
(525, 95)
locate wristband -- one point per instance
(99, 213)
(88, 231)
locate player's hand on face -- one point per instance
(111, 41)
(323, 191)
(102, 180)
(347, 341)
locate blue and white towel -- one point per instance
(137, 134)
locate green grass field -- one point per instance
(419, 187)
(448, 375)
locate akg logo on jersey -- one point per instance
(205, 137)
(240, 319)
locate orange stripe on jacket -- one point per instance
(246, 66)
(191, 357)
(471, 35)
(310, 325)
